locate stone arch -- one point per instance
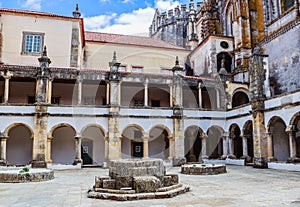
(280, 139)
(295, 122)
(63, 148)
(235, 134)
(247, 132)
(93, 144)
(19, 144)
(240, 97)
(193, 143)
(159, 142)
(132, 141)
(214, 142)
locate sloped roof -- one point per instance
(129, 40)
(28, 12)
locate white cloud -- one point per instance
(165, 5)
(32, 4)
(136, 22)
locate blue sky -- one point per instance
(119, 16)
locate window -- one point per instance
(137, 69)
(286, 5)
(139, 103)
(55, 100)
(155, 103)
(31, 99)
(122, 68)
(32, 43)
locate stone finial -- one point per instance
(44, 59)
(114, 64)
(177, 66)
(76, 13)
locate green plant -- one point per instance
(24, 169)
(203, 165)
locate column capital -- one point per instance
(78, 137)
(204, 136)
(79, 78)
(225, 135)
(7, 74)
(290, 129)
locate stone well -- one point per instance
(133, 179)
(203, 169)
(14, 175)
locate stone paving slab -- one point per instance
(240, 187)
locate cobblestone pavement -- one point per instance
(241, 186)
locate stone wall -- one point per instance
(284, 61)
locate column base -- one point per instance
(231, 156)
(204, 157)
(192, 158)
(77, 161)
(3, 162)
(38, 164)
(246, 158)
(224, 157)
(260, 162)
(272, 159)
(178, 161)
(294, 160)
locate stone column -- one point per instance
(49, 91)
(218, 104)
(78, 159)
(192, 157)
(79, 94)
(292, 140)
(171, 96)
(107, 93)
(7, 76)
(145, 147)
(3, 140)
(225, 138)
(171, 148)
(270, 147)
(146, 93)
(48, 153)
(245, 148)
(203, 151)
(200, 95)
(231, 147)
(106, 148)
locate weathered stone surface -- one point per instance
(203, 169)
(16, 177)
(99, 181)
(109, 184)
(169, 180)
(123, 182)
(178, 161)
(146, 184)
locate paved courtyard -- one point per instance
(241, 186)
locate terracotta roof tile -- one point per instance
(128, 39)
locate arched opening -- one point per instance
(248, 132)
(239, 98)
(214, 143)
(63, 145)
(161, 100)
(190, 97)
(19, 145)
(237, 140)
(132, 143)
(280, 139)
(224, 60)
(159, 143)
(132, 94)
(192, 144)
(296, 124)
(92, 146)
(209, 98)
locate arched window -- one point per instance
(224, 60)
(239, 98)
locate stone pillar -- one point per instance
(145, 147)
(192, 157)
(231, 147)
(270, 147)
(225, 138)
(49, 91)
(200, 95)
(171, 96)
(3, 140)
(78, 159)
(257, 74)
(7, 76)
(106, 147)
(292, 140)
(171, 148)
(218, 104)
(178, 128)
(203, 151)
(107, 93)
(48, 154)
(39, 151)
(146, 93)
(79, 90)
(245, 148)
